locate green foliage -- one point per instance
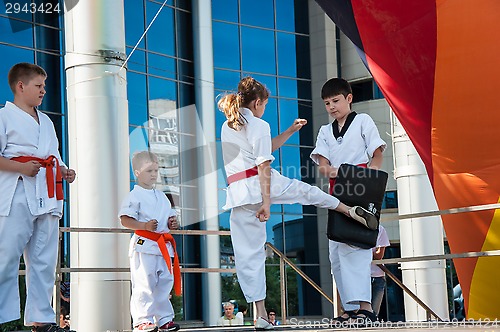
(231, 289)
(178, 308)
(16, 325)
(273, 299)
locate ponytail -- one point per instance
(249, 89)
(230, 104)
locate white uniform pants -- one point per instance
(38, 238)
(152, 283)
(248, 234)
(351, 270)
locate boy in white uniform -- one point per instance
(31, 173)
(358, 142)
(148, 212)
(254, 186)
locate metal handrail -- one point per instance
(398, 282)
(283, 260)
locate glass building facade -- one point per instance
(270, 44)
(267, 39)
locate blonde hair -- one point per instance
(23, 72)
(142, 157)
(249, 89)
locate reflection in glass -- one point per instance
(137, 100)
(287, 87)
(225, 10)
(161, 65)
(161, 89)
(257, 12)
(290, 162)
(258, 54)
(184, 30)
(137, 62)
(226, 45)
(292, 210)
(185, 71)
(271, 116)
(288, 111)
(226, 80)
(285, 15)
(268, 80)
(161, 36)
(163, 140)
(134, 22)
(303, 56)
(16, 32)
(275, 222)
(287, 63)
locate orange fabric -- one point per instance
(49, 164)
(464, 134)
(248, 173)
(162, 240)
(332, 180)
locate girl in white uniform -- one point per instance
(254, 186)
(359, 144)
(30, 201)
(148, 212)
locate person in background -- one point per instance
(378, 275)
(242, 311)
(229, 318)
(271, 315)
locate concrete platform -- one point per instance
(326, 326)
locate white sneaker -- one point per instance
(364, 216)
(263, 324)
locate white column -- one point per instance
(418, 236)
(323, 50)
(205, 101)
(99, 152)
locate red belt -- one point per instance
(49, 164)
(162, 239)
(332, 180)
(248, 173)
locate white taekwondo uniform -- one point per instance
(242, 150)
(350, 264)
(29, 219)
(151, 279)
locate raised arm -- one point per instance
(279, 140)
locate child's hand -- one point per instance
(263, 212)
(68, 174)
(30, 168)
(172, 223)
(151, 225)
(297, 125)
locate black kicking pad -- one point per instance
(360, 186)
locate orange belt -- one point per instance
(248, 173)
(162, 240)
(49, 164)
(332, 180)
